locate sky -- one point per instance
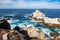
(29, 4)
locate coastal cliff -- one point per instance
(49, 22)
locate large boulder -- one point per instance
(4, 24)
(33, 33)
(24, 34)
(12, 35)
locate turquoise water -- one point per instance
(20, 17)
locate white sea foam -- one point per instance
(13, 21)
(46, 31)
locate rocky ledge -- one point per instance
(23, 34)
(49, 22)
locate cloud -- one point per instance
(48, 4)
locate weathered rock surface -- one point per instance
(32, 32)
(24, 34)
(50, 22)
(37, 15)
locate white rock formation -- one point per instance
(38, 14)
(32, 32)
(51, 20)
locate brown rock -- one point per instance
(52, 25)
(54, 34)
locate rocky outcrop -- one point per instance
(12, 35)
(33, 33)
(37, 15)
(24, 34)
(50, 22)
(4, 24)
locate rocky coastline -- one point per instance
(30, 33)
(6, 33)
(49, 22)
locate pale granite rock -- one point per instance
(50, 22)
(32, 32)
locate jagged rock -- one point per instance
(4, 24)
(12, 35)
(37, 15)
(24, 34)
(49, 22)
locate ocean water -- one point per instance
(20, 17)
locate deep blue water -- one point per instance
(20, 18)
(20, 13)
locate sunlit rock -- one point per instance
(50, 22)
(5, 36)
(32, 32)
(37, 15)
